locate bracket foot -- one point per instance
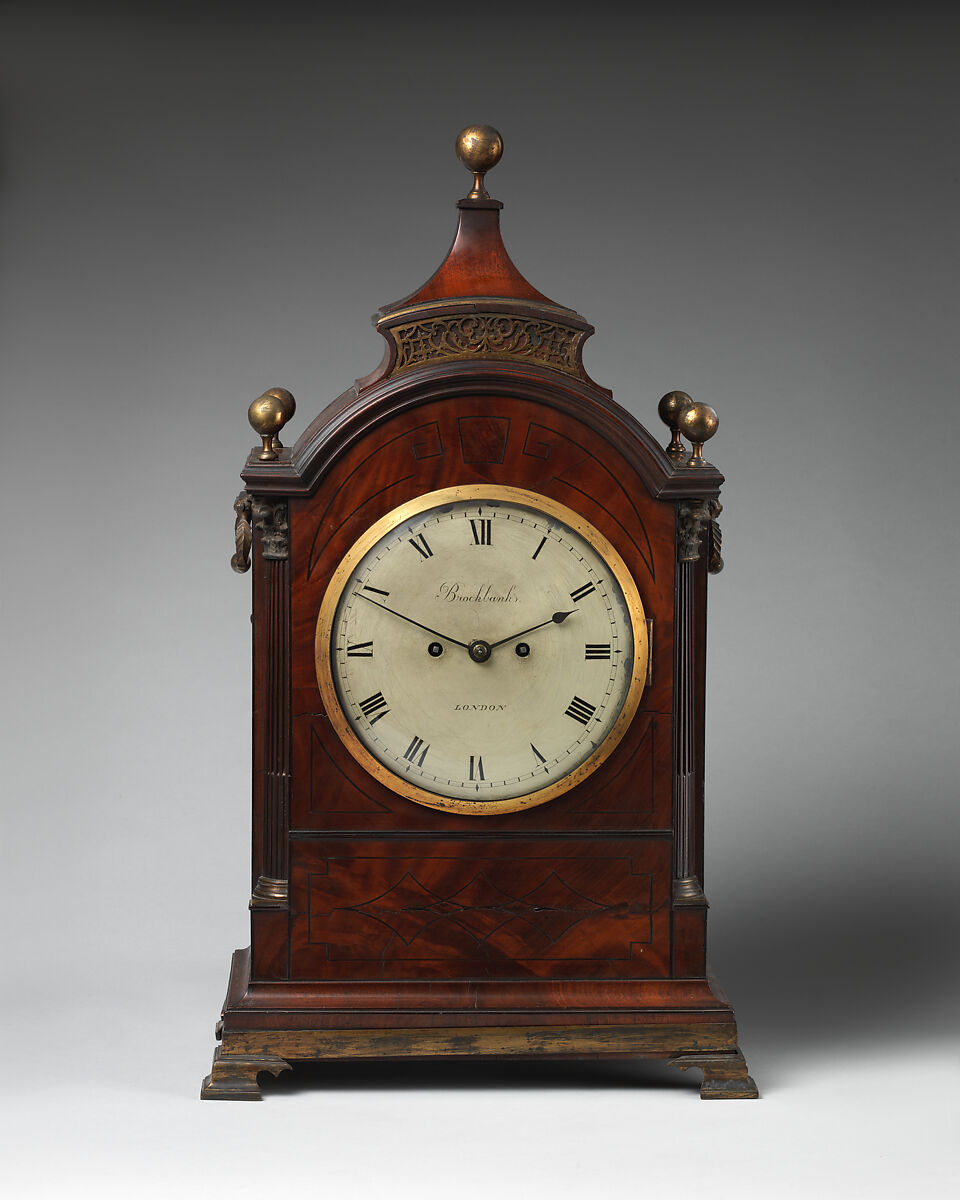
(234, 1076)
(725, 1076)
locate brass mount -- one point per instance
(698, 423)
(669, 410)
(479, 148)
(268, 414)
(693, 420)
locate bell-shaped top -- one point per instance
(477, 305)
(478, 327)
(478, 263)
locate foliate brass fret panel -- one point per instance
(487, 335)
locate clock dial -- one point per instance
(481, 649)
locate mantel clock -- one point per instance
(479, 621)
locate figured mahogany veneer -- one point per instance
(480, 908)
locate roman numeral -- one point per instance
(482, 531)
(360, 650)
(537, 752)
(539, 548)
(411, 752)
(597, 650)
(374, 704)
(421, 545)
(476, 768)
(580, 710)
(579, 594)
(379, 591)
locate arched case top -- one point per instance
(477, 326)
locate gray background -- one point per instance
(755, 204)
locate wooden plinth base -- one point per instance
(265, 1028)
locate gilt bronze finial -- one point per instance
(479, 148)
(268, 414)
(669, 410)
(289, 408)
(698, 423)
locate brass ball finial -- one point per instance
(669, 410)
(289, 408)
(267, 415)
(698, 423)
(479, 148)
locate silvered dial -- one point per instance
(481, 649)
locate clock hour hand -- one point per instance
(557, 619)
(425, 628)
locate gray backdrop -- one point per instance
(755, 204)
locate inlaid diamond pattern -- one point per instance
(480, 907)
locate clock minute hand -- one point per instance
(557, 619)
(425, 628)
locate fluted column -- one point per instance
(272, 692)
(692, 519)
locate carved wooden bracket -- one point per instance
(270, 521)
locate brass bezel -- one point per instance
(328, 609)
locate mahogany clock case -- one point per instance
(456, 440)
(380, 926)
